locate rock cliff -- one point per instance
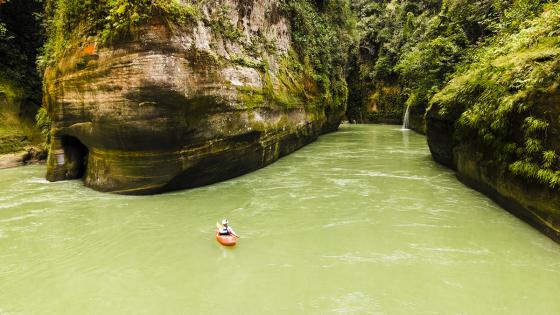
(535, 203)
(181, 105)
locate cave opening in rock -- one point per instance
(76, 155)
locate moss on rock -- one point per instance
(179, 106)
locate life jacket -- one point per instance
(224, 230)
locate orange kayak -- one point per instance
(226, 240)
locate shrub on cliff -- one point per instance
(505, 100)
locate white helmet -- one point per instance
(224, 222)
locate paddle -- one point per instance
(233, 233)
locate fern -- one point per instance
(534, 125)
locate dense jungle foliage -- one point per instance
(409, 49)
(506, 99)
(21, 36)
(21, 39)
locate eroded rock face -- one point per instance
(180, 107)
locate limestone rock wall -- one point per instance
(183, 106)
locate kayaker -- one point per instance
(225, 229)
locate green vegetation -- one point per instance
(388, 30)
(109, 20)
(416, 46)
(312, 73)
(21, 37)
(221, 24)
(44, 123)
(505, 100)
(243, 60)
(323, 32)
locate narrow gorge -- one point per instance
(314, 156)
(481, 79)
(149, 96)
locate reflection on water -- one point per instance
(360, 222)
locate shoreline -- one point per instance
(29, 156)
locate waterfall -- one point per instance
(406, 119)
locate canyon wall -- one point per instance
(182, 105)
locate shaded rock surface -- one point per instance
(417, 119)
(183, 106)
(440, 133)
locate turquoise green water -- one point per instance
(359, 222)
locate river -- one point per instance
(360, 222)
